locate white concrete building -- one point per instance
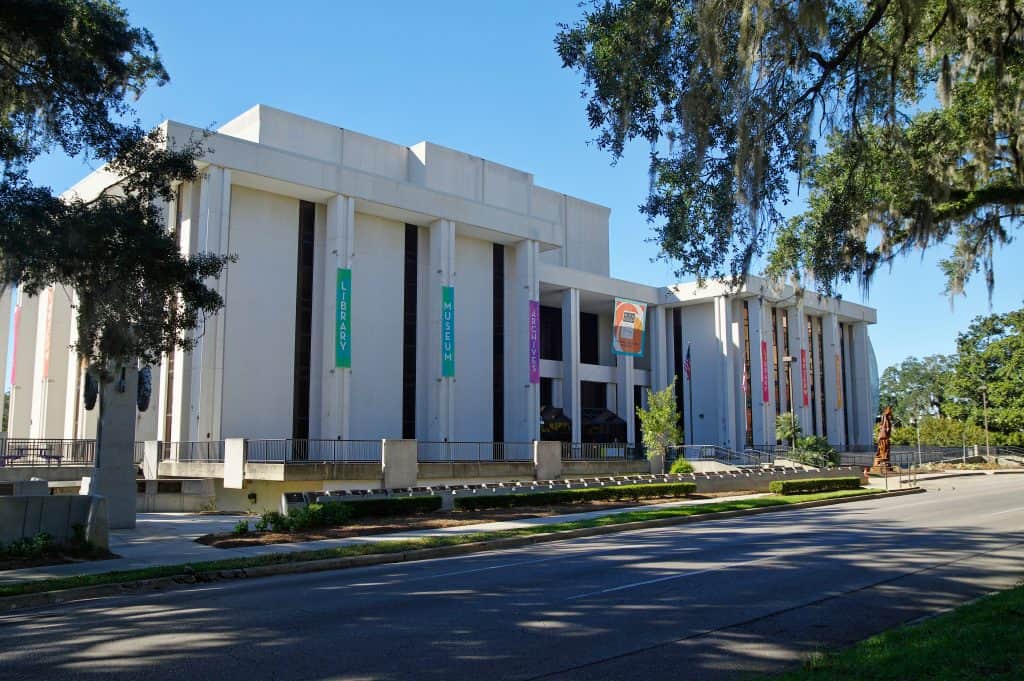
(385, 291)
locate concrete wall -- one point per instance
(698, 324)
(25, 517)
(23, 366)
(62, 473)
(175, 496)
(758, 481)
(260, 322)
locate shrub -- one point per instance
(273, 521)
(681, 467)
(814, 450)
(812, 485)
(241, 528)
(572, 496)
(30, 547)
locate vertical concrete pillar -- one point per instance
(113, 475)
(6, 330)
(151, 460)
(659, 347)
(23, 362)
(763, 411)
(862, 431)
(625, 381)
(208, 355)
(571, 361)
(441, 404)
(799, 346)
(780, 331)
(336, 382)
(182, 393)
(833, 379)
(522, 396)
(235, 451)
(724, 335)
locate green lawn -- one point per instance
(982, 640)
(411, 544)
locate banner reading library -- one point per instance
(628, 327)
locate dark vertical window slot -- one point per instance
(547, 392)
(410, 291)
(589, 353)
(303, 323)
(748, 403)
(638, 397)
(821, 376)
(498, 316)
(677, 355)
(551, 333)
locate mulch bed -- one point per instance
(426, 521)
(53, 558)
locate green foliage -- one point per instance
(241, 528)
(659, 423)
(572, 496)
(394, 506)
(273, 521)
(29, 547)
(916, 387)
(917, 100)
(338, 513)
(787, 427)
(942, 432)
(812, 485)
(815, 450)
(68, 68)
(681, 467)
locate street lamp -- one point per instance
(984, 407)
(788, 361)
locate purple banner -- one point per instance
(534, 341)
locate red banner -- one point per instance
(803, 375)
(764, 371)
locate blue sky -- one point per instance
(482, 78)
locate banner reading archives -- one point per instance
(628, 327)
(447, 331)
(534, 341)
(343, 320)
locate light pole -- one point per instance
(984, 407)
(788, 361)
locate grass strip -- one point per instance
(980, 640)
(399, 546)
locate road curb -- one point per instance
(189, 578)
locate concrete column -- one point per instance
(863, 424)
(336, 382)
(781, 335)
(727, 394)
(624, 384)
(151, 460)
(799, 346)
(235, 450)
(23, 381)
(523, 397)
(441, 403)
(6, 329)
(833, 379)
(571, 361)
(763, 411)
(207, 375)
(659, 347)
(398, 463)
(113, 475)
(181, 391)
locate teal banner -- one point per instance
(343, 321)
(447, 330)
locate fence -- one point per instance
(748, 457)
(47, 452)
(305, 451)
(601, 451)
(434, 452)
(202, 451)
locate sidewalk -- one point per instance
(169, 539)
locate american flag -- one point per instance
(686, 363)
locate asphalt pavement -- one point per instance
(716, 600)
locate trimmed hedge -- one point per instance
(812, 485)
(379, 508)
(572, 496)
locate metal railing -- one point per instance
(47, 452)
(140, 452)
(201, 451)
(434, 452)
(601, 451)
(748, 457)
(306, 451)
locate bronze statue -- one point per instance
(884, 437)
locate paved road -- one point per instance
(715, 600)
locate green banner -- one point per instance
(343, 320)
(447, 330)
